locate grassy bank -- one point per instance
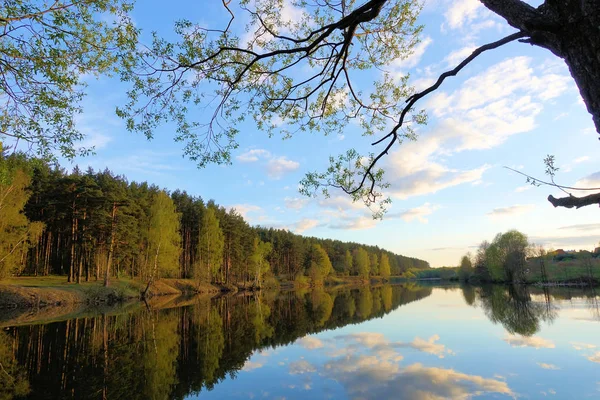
(581, 271)
(35, 292)
(585, 272)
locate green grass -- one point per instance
(563, 271)
(124, 287)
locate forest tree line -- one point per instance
(98, 225)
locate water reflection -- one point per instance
(452, 342)
(172, 353)
(512, 306)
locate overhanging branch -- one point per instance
(393, 135)
(577, 202)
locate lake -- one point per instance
(387, 342)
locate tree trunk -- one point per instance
(72, 260)
(112, 244)
(571, 30)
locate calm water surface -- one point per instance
(390, 342)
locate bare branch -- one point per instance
(393, 135)
(548, 183)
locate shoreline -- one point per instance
(53, 291)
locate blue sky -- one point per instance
(510, 107)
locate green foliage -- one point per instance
(384, 266)
(17, 233)
(46, 50)
(258, 259)
(318, 263)
(96, 224)
(362, 263)
(503, 260)
(374, 264)
(164, 241)
(211, 243)
(465, 270)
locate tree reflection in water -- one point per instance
(512, 306)
(171, 353)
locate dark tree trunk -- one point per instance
(571, 30)
(112, 244)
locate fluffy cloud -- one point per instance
(457, 56)
(529, 341)
(595, 357)
(487, 109)
(590, 181)
(430, 346)
(354, 222)
(253, 155)
(418, 213)
(310, 343)
(301, 367)
(548, 366)
(250, 365)
(245, 209)
(517, 209)
(583, 346)
(378, 343)
(461, 12)
(305, 224)
(368, 377)
(415, 57)
(295, 203)
(277, 167)
(367, 364)
(341, 203)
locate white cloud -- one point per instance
(582, 227)
(301, 367)
(529, 341)
(253, 155)
(583, 346)
(415, 57)
(548, 366)
(250, 365)
(457, 56)
(340, 203)
(521, 189)
(430, 346)
(279, 166)
(359, 222)
(245, 209)
(310, 343)
(590, 181)
(517, 209)
(295, 203)
(96, 140)
(418, 213)
(462, 12)
(305, 224)
(595, 357)
(501, 101)
(581, 159)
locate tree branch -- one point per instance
(517, 13)
(536, 180)
(416, 97)
(577, 202)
